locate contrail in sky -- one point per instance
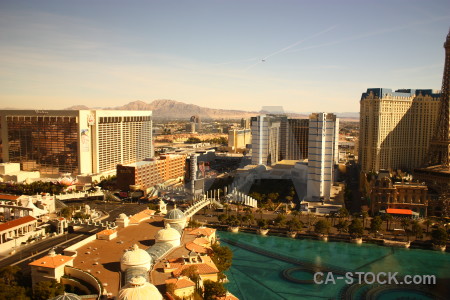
(291, 46)
(373, 33)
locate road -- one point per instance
(29, 253)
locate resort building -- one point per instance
(14, 233)
(50, 267)
(407, 198)
(75, 141)
(150, 172)
(294, 145)
(396, 128)
(322, 155)
(238, 139)
(265, 139)
(182, 287)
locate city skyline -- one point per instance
(230, 55)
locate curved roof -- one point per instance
(174, 214)
(135, 257)
(177, 227)
(136, 272)
(138, 288)
(67, 296)
(159, 250)
(167, 234)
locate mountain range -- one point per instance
(171, 109)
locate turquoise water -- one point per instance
(257, 276)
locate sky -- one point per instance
(232, 54)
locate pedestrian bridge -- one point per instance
(199, 204)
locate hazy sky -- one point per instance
(318, 55)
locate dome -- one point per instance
(122, 216)
(67, 296)
(135, 257)
(168, 234)
(138, 288)
(174, 214)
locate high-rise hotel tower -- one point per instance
(396, 128)
(75, 141)
(322, 155)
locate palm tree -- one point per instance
(405, 223)
(343, 213)
(342, 226)
(365, 215)
(427, 223)
(388, 219)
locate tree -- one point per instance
(343, 213)
(222, 218)
(365, 215)
(192, 273)
(193, 140)
(322, 227)
(416, 229)
(10, 275)
(279, 220)
(405, 223)
(44, 290)
(294, 224)
(66, 212)
(262, 223)
(388, 218)
(342, 226)
(439, 236)
(355, 228)
(12, 292)
(222, 256)
(427, 223)
(375, 224)
(213, 290)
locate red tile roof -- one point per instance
(9, 197)
(228, 296)
(141, 216)
(203, 231)
(16, 222)
(201, 241)
(399, 211)
(197, 248)
(180, 283)
(107, 231)
(51, 261)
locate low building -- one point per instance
(386, 194)
(238, 139)
(107, 234)
(148, 173)
(205, 232)
(14, 233)
(183, 287)
(50, 267)
(206, 268)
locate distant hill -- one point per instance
(171, 109)
(78, 107)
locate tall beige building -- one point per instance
(396, 127)
(238, 139)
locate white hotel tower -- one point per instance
(322, 155)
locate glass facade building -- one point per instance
(75, 141)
